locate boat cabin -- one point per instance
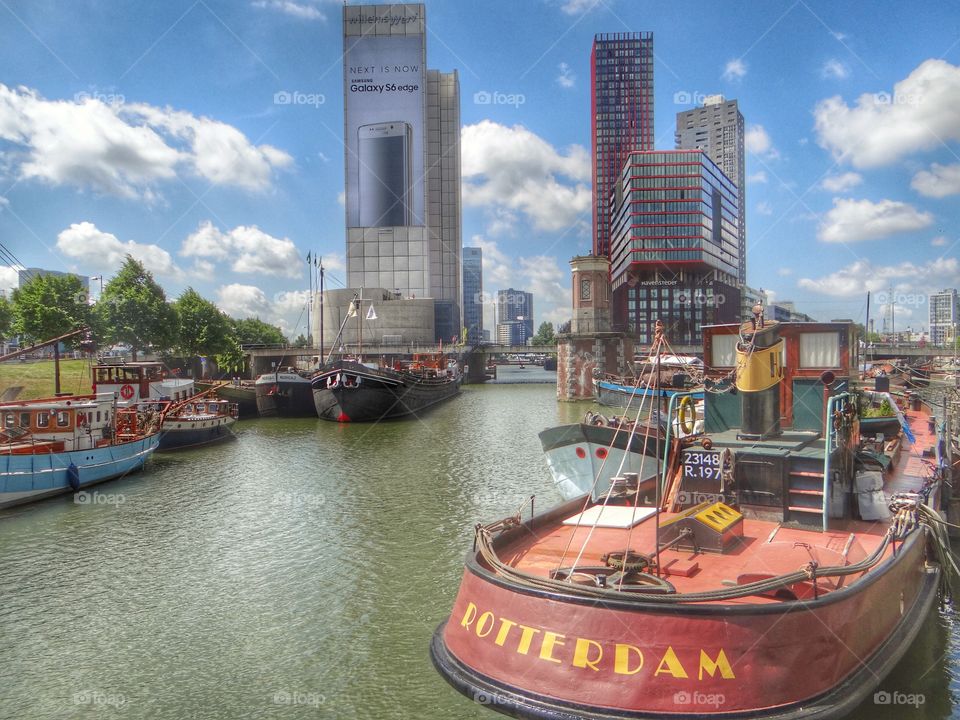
(56, 424)
(133, 382)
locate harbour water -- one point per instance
(297, 572)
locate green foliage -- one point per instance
(545, 335)
(232, 360)
(201, 329)
(6, 317)
(301, 341)
(253, 331)
(49, 306)
(134, 310)
(885, 410)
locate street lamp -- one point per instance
(100, 278)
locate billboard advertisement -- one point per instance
(384, 85)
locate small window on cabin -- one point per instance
(820, 350)
(43, 419)
(8, 420)
(98, 416)
(24, 419)
(63, 418)
(724, 351)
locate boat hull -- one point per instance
(26, 478)
(616, 395)
(579, 454)
(531, 653)
(285, 399)
(179, 434)
(377, 395)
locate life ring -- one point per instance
(81, 419)
(687, 415)
(126, 392)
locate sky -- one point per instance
(161, 130)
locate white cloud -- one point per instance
(758, 177)
(103, 251)
(834, 69)
(785, 271)
(922, 112)
(514, 169)
(243, 301)
(764, 208)
(248, 248)
(841, 183)
(855, 220)
(758, 142)
(578, 7)
(304, 11)
(939, 241)
(9, 279)
(125, 150)
(342, 199)
(939, 181)
(734, 70)
(566, 78)
(862, 276)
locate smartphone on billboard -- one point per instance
(385, 173)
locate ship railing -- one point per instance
(671, 407)
(835, 404)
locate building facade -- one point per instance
(621, 115)
(401, 162)
(24, 276)
(515, 306)
(944, 311)
(717, 128)
(473, 294)
(674, 247)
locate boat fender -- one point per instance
(73, 477)
(687, 415)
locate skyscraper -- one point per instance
(673, 254)
(473, 293)
(621, 115)
(944, 320)
(515, 311)
(717, 129)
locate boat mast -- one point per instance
(866, 336)
(360, 325)
(321, 307)
(658, 344)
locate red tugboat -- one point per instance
(773, 568)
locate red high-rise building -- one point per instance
(621, 115)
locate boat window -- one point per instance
(24, 419)
(63, 418)
(8, 420)
(43, 419)
(724, 354)
(820, 350)
(98, 416)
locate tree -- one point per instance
(133, 309)
(201, 329)
(47, 306)
(301, 341)
(253, 331)
(6, 317)
(545, 335)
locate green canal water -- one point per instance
(296, 572)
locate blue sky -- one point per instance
(152, 128)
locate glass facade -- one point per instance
(621, 70)
(473, 293)
(675, 245)
(944, 320)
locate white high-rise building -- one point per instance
(944, 316)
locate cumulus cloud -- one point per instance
(939, 181)
(862, 276)
(855, 220)
(841, 183)
(758, 177)
(764, 208)
(566, 78)
(758, 142)
(9, 278)
(578, 7)
(939, 241)
(100, 250)
(125, 150)
(243, 301)
(734, 70)
(301, 10)
(834, 69)
(514, 169)
(922, 112)
(247, 248)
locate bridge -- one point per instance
(889, 351)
